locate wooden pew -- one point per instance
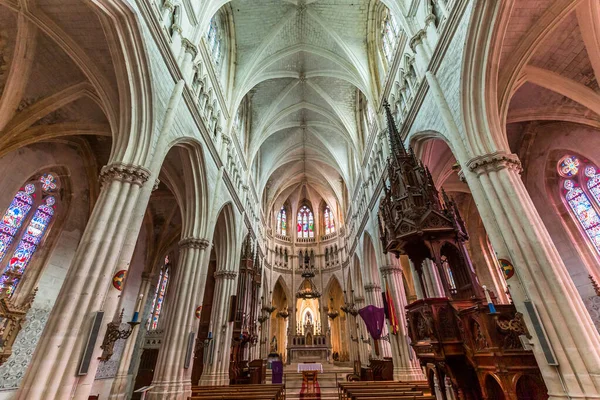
(239, 392)
(384, 390)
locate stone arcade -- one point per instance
(192, 189)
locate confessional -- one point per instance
(469, 351)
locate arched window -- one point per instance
(389, 35)
(282, 222)
(329, 224)
(576, 190)
(214, 39)
(306, 223)
(159, 295)
(38, 194)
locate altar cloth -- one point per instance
(310, 367)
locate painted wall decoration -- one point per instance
(118, 280)
(507, 268)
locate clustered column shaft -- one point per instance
(53, 369)
(171, 379)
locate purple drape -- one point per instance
(374, 318)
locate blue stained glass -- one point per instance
(14, 216)
(27, 245)
(584, 211)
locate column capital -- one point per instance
(430, 19)
(129, 173)
(391, 270)
(156, 183)
(190, 47)
(193, 243)
(176, 28)
(494, 162)
(372, 287)
(168, 5)
(225, 274)
(416, 40)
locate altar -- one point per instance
(308, 347)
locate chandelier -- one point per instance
(332, 313)
(349, 307)
(283, 313)
(308, 289)
(267, 308)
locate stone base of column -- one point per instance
(214, 379)
(170, 391)
(408, 374)
(120, 387)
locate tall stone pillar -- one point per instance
(172, 380)
(53, 369)
(362, 334)
(190, 51)
(518, 234)
(406, 364)
(421, 55)
(416, 281)
(373, 296)
(123, 379)
(216, 371)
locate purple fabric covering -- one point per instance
(374, 318)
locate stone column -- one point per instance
(422, 58)
(432, 33)
(362, 334)
(216, 371)
(434, 276)
(171, 379)
(416, 281)
(518, 234)
(406, 364)
(187, 64)
(373, 296)
(52, 373)
(123, 379)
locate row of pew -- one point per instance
(239, 392)
(384, 390)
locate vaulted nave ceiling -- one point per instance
(302, 64)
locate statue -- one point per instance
(274, 344)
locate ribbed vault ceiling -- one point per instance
(302, 64)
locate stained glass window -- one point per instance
(282, 222)
(159, 295)
(306, 223)
(34, 232)
(389, 35)
(213, 39)
(583, 203)
(329, 224)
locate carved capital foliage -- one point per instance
(133, 174)
(494, 162)
(193, 243)
(372, 287)
(168, 5)
(417, 39)
(391, 270)
(190, 48)
(156, 183)
(225, 274)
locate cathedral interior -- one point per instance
(395, 199)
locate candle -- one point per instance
(135, 316)
(210, 335)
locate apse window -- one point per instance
(580, 191)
